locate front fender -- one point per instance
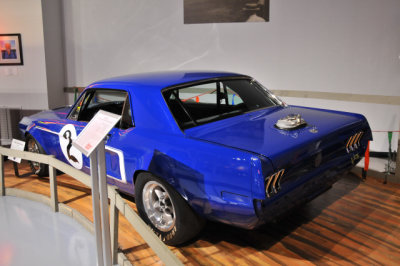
(40, 136)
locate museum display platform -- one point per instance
(354, 222)
(27, 228)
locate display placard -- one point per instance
(95, 131)
(18, 145)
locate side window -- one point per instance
(126, 119)
(75, 113)
(233, 97)
(113, 101)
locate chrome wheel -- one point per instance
(158, 206)
(165, 210)
(33, 147)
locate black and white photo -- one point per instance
(225, 11)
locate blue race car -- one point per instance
(192, 146)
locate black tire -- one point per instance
(179, 223)
(37, 168)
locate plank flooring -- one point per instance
(354, 223)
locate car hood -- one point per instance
(55, 114)
(256, 131)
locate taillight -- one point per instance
(354, 142)
(273, 183)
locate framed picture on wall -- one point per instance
(11, 49)
(225, 11)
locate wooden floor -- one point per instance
(354, 223)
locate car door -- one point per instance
(114, 101)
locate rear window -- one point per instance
(211, 101)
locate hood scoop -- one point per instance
(291, 121)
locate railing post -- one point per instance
(96, 207)
(53, 187)
(397, 171)
(2, 184)
(105, 218)
(114, 221)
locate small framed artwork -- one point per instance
(11, 49)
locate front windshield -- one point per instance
(207, 102)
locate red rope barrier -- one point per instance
(385, 131)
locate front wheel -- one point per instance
(37, 168)
(165, 211)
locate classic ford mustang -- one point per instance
(192, 146)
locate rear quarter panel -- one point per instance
(217, 181)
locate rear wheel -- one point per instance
(165, 211)
(37, 168)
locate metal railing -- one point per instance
(117, 203)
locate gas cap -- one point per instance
(291, 121)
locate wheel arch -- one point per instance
(137, 173)
(38, 136)
(39, 169)
(175, 187)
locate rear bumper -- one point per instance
(315, 183)
(308, 186)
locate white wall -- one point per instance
(381, 117)
(24, 86)
(349, 46)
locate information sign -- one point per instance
(18, 145)
(95, 131)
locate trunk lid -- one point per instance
(326, 130)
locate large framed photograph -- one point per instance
(11, 49)
(225, 11)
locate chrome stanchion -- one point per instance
(96, 207)
(105, 219)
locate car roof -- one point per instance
(160, 80)
(151, 111)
